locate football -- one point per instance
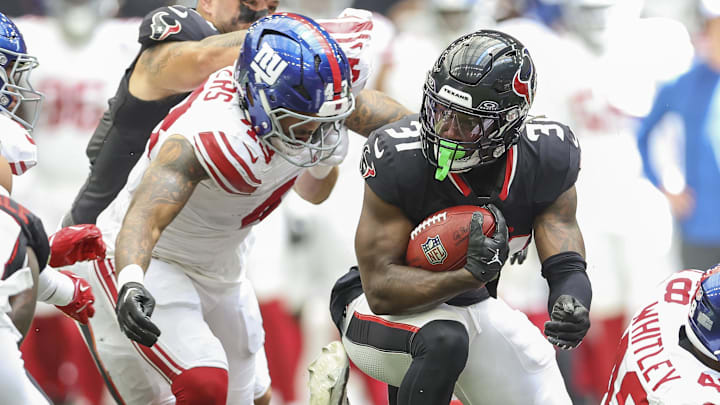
(440, 242)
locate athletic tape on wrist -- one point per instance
(130, 273)
(320, 171)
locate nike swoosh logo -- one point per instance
(84, 288)
(180, 13)
(378, 152)
(253, 158)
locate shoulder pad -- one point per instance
(32, 228)
(553, 149)
(173, 23)
(390, 153)
(17, 146)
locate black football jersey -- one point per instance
(120, 137)
(20, 229)
(543, 164)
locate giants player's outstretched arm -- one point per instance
(561, 250)
(374, 109)
(391, 287)
(5, 175)
(177, 67)
(162, 193)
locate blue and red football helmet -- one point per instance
(703, 328)
(18, 99)
(291, 68)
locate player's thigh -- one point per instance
(134, 378)
(15, 386)
(234, 318)
(509, 362)
(379, 344)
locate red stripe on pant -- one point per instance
(156, 356)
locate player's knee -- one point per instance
(201, 385)
(443, 340)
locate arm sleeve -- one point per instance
(557, 151)
(173, 23)
(565, 275)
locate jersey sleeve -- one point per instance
(228, 150)
(22, 229)
(352, 30)
(557, 154)
(17, 146)
(173, 23)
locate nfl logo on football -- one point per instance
(434, 250)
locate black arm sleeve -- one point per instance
(173, 23)
(565, 274)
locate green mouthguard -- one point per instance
(447, 152)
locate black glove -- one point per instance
(486, 256)
(568, 324)
(134, 307)
(519, 256)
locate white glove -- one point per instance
(333, 158)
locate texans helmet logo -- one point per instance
(522, 81)
(161, 29)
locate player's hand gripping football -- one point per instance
(81, 307)
(568, 324)
(75, 244)
(487, 255)
(134, 307)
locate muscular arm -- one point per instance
(391, 287)
(6, 179)
(23, 303)
(556, 229)
(176, 67)
(162, 193)
(374, 109)
(316, 190)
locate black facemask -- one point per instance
(248, 15)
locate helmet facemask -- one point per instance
(703, 322)
(18, 98)
(457, 139)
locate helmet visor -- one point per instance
(705, 312)
(457, 126)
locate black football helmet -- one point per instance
(476, 98)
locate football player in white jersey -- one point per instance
(19, 102)
(670, 352)
(219, 163)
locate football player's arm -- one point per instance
(5, 175)
(316, 190)
(176, 67)
(162, 193)
(390, 286)
(374, 109)
(23, 303)
(561, 250)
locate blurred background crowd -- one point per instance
(636, 81)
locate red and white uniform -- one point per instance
(206, 310)
(16, 145)
(651, 368)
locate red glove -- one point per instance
(76, 243)
(81, 307)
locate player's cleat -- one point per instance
(329, 374)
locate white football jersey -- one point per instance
(16, 145)
(651, 367)
(247, 181)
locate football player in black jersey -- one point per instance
(429, 334)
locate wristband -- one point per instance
(55, 288)
(320, 171)
(130, 273)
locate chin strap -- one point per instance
(447, 152)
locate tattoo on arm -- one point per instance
(374, 109)
(165, 188)
(556, 229)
